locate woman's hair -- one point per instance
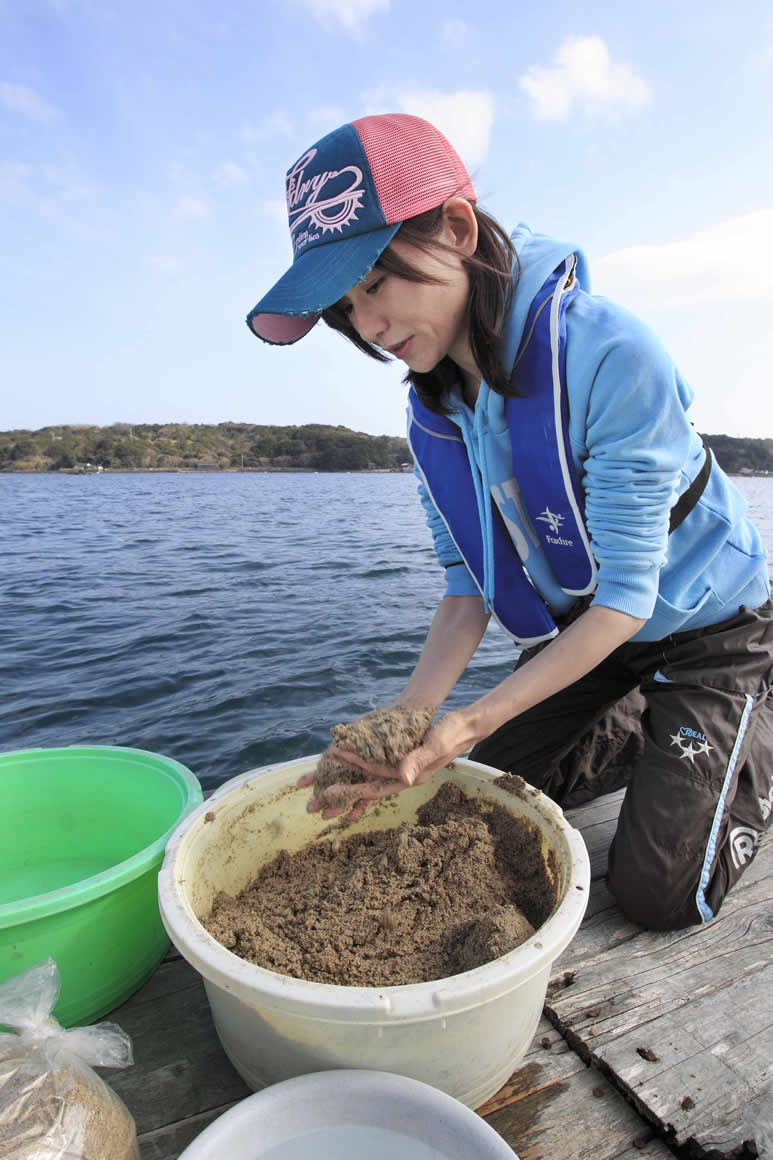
(490, 271)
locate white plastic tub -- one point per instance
(464, 1034)
(349, 1115)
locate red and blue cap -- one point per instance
(347, 197)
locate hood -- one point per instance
(538, 256)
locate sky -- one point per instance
(143, 151)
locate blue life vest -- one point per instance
(542, 465)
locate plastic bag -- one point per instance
(52, 1105)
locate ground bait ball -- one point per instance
(384, 736)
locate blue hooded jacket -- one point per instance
(635, 451)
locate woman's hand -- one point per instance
(456, 631)
(450, 738)
(352, 799)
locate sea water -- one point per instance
(226, 620)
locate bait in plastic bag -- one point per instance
(53, 1106)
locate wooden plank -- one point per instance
(180, 1069)
(167, 1143)
(700, 1001)
(554, 1106)
(597, 822)
(599, 810)
(549, 1060)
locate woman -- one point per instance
(569, 496)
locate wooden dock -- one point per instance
(650, 1045)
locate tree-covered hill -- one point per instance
(248, 446)
(183, 446)
(738, 456)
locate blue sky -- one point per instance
(143, 148)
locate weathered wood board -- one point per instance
(181, 1073)
(554, 1107)
(699, 1001)
(597, 822)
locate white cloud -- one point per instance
(351, 15)
(464, 117)
(730, 260)
(229, 175)
(23, 99)
(584, 75)
(191, 207)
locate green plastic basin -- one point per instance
(84, 830)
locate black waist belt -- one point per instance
(688, 499)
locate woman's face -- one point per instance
(417, 322)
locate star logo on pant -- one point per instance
(691, 747)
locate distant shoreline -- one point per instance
(408, 470)
(226, 447)
(210, 471)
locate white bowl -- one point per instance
(349, 1115)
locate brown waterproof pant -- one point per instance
(686, 723)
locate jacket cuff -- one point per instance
(459, 582)
(635, 595)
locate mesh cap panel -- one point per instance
(414, 168)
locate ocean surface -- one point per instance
(225, 620)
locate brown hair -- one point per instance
(490, 272)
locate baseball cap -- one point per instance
(347, 197)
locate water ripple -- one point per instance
(225, 620)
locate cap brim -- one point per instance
(316, 279)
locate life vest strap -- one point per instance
(689, 498)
